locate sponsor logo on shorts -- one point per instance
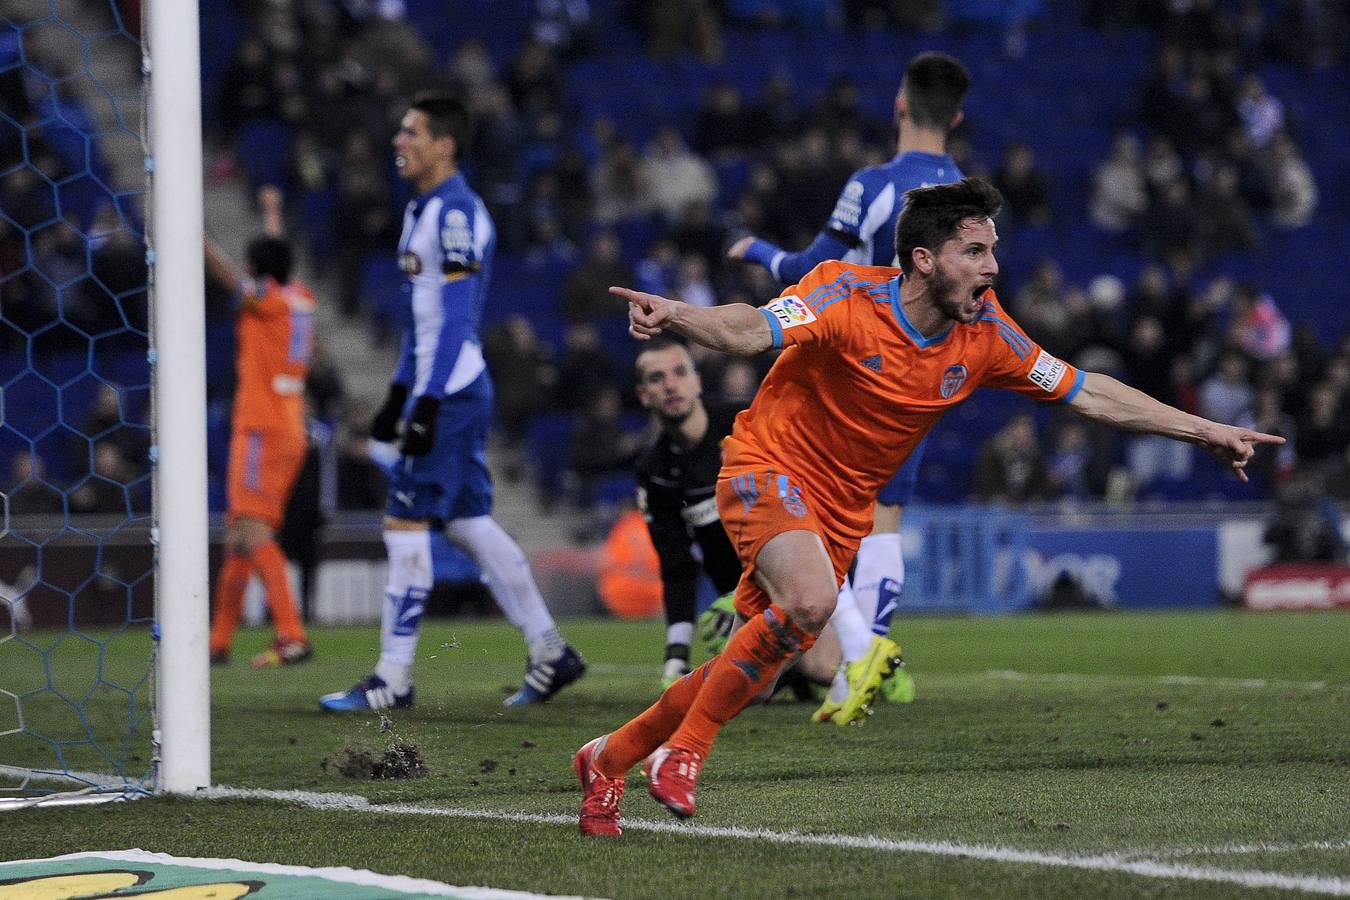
(952, 379)
(791, 311)
(795, 505)
(1047, 373)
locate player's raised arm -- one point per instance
(1104, 399)
(737, 328)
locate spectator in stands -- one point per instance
(1010, 467)
(692, 282)
(1171, 222)
(1119, 190)
(1223, 216)
(1257, 327)
(1162, 165)
(1306, 526)
(699, 233)
(586, 367)
(1228, 390)
(534, 79)
(617, 185)
(722, 130)
(670, 27)
(524, 375)
(1337, 481)
(600, 445)
(565, 26)
(675, 177)
(1292, 188)
(657, 270)
(585, 293)
(363, 217)
(108, 422)
(1148, 367)
(1079, 463)
(1323, 431)
(1024, 186)
(29, 492)
(115, 486)
(777, 116)
(1261, 112)
(1054, 315)
(1275, 467)
(471, 70)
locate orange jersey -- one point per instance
(857, 387)
(275, 341)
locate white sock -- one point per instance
(839, 686)
(405, 599)
(850, 626)
(508, 576)
(680, 633)
(878, 558)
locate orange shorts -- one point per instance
(264, 465)
(756, 507)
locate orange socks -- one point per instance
(270, 564)
(691, 710)
(231, 582)
(635, 741)
(751, 661)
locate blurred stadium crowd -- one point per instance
(1175, 198)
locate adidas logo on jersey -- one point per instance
(872, 362)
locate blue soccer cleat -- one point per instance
(370, 694)
(544, 679)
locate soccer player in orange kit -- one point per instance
(268, 441)
(872, 358)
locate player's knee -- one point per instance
(809, 606)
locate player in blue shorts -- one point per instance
(862, 230)
(442, 394)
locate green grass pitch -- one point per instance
(1066, 736)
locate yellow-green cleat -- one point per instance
(899, 688)
(864, 680)
(826, 711)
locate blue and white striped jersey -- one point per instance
(862, 227)
(446, 253)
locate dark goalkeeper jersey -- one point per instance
(676, 493)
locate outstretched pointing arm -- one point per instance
(737, 328)
(1104, 399)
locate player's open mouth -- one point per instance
(979, 291)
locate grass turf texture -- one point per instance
(1117, 761)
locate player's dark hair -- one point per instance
(446, 115)
(271, 257)
(934, 86)
(656, 344)
(932, 215)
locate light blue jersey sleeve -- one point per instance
(461, 268)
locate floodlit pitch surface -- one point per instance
(1102, 755)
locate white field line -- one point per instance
(653, 672)
(1187, 680)
(1114, 863)
(1234, 849)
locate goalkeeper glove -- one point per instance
(714, 626)
(420, 429)
(384, 427)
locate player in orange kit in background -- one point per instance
(874, 356)
(275, 339)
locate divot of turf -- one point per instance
(400, 758)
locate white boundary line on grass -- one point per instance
(1064, 678)
(1316, 884)
(1187, 680)
(1234, 849)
